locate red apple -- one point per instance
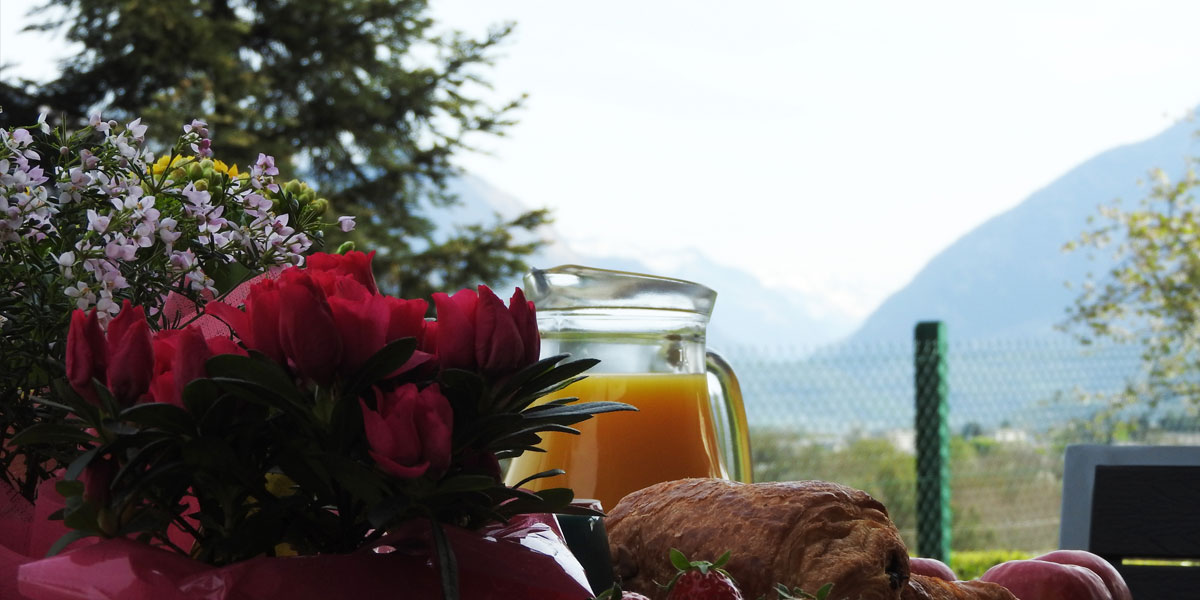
(1112, 579)
(931, 567)
(1044, 580)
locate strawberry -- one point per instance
(701, 580)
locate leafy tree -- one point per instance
(1149, 297)
(362, 98)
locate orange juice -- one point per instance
(670, 437)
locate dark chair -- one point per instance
(1136, 502)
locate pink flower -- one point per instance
(476, 330)
(410, 431)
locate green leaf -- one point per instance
(542, 475)
(363, 482)
(447, 563)
(724, 559)
(382, 363)
(70, 488)
(381, 514)
(679, 560)
(51, 433)
(557, 374)
(158, 415)
(79, 464)
(67, 539)
(544, 411)
(256, 371)
(463, 483)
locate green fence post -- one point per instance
(933, 441)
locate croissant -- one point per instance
(801, 534)
(921, 587)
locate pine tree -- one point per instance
(360, 98)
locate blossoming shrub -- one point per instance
(326, 416)
(89, 219)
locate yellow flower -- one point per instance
(220, 167)
(166, 162)
(161, 164)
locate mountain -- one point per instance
(747, 312)
(1007, 277)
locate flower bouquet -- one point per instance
(90, 218)
(302, 426)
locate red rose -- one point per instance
(409, 431)
(87, 357)
(353, 263)
(477, 331)
(130, 355)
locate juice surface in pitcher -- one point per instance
(670, 437)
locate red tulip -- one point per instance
(406, 318)
(130, 355)
(162, 383)
(498, 344)
(353, 263)
(87, 356)
(456, 329)
(179, 358)
(410, 431)
(476, 330)
(525, 316)
(308, 334)
(262, 317)
(361, 320)
(188, 365)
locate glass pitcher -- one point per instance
(648, 333)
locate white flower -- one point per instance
(66, 259)
(136, 128)
(167, 233)
(106, 304)
(346, 223)
(97, 223)
(120, 249)
(83, 295)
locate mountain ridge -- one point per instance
(1007, 277)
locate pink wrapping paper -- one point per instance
(524, 559)
(26, 532)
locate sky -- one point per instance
(830, 148)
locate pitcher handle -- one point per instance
(729, 414)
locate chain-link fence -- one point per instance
(847, 413)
